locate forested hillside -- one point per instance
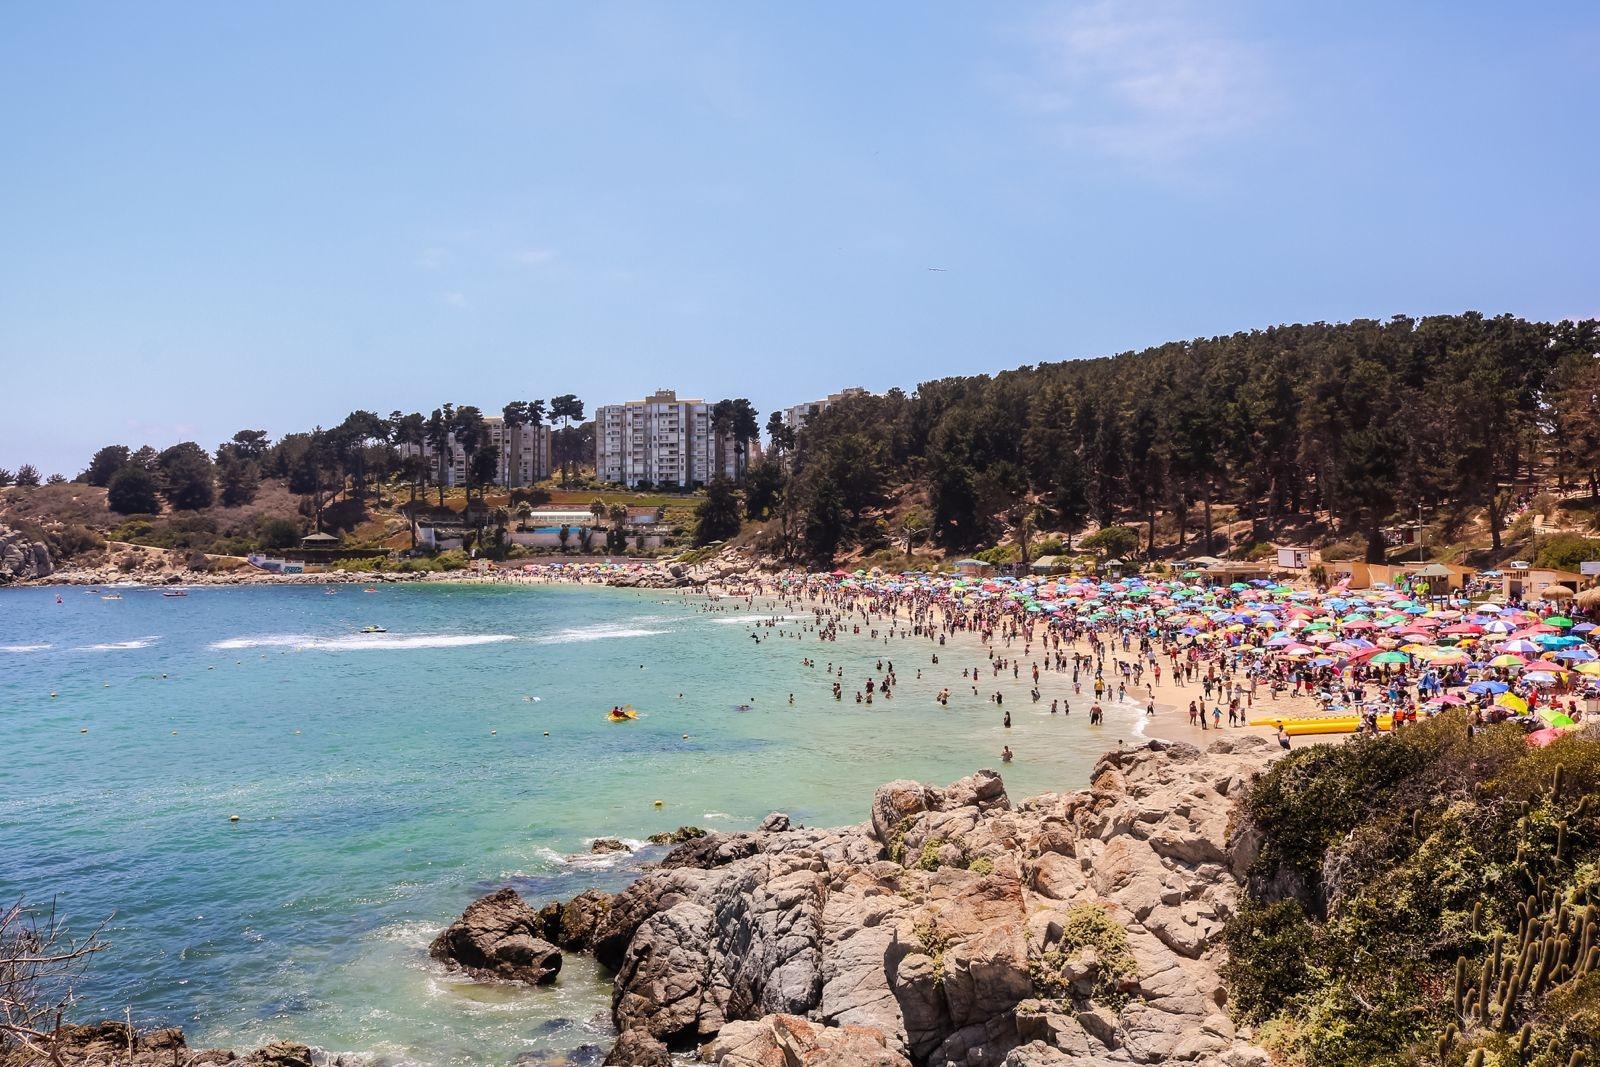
(1359, 421)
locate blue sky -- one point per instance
(224, 215)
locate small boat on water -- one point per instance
(174, 592)
(374, 629)
(112, 596)
(622, 714)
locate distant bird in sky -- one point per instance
(941, 270)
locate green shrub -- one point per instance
(1382, 862)
(1565, 552)
(276, 534)
(1268, 958)
(1113, 542)
(1087, 926)
(1260, 550)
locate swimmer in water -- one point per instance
(1006, 754)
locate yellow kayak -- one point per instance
(625, 714)
(1330, 724)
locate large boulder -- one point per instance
(22, 558)
(954, 928)
(497, 937)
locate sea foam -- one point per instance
(597, 632)
(23, 648)
(360, 642)
(753, 620)
(120, 646)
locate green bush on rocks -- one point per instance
(1421, 898)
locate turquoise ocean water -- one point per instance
(384, 781)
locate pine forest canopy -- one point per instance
(1359, 419)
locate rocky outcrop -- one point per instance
(22, 559)
(497, 937)
(790, 1041)
(572, 925)
(676, 837)
(112, 1042)
(952, 928)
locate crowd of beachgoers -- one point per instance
(1193, 654)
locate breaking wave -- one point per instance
(597, 632)
(360, 642)
(120, 646)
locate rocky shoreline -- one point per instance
(27, 563)
(115, 1044)
(952, 928)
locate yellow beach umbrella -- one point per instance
(1512, 701)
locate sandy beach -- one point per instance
(1126, 720)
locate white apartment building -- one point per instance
(795, 417)
(524, 455)
(662, 440)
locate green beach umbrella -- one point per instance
(1391, 657)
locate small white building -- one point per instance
(1294, 559)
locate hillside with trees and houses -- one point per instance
(1479, 436)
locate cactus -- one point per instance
(1508, 1003)
(1458, 997)
(1557, 780)
(1476, 1059)
(1485, 980)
